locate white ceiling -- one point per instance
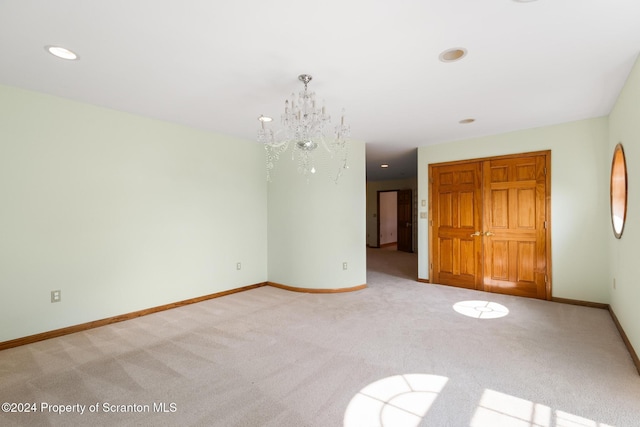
(218, 65)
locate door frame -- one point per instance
(413, 222)
(547, 155)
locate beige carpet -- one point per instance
(394, 354)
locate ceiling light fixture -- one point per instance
(453, 54)
(305, 127)
(466, 121)
(61, 52)
(384, 165)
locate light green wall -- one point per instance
(120, 212)
(123, 213)
(316, 226)
(624, 127)
(579, 200)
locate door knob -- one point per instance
(488, 233)
(477, 233)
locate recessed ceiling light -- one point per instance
(466, 121)
(265, 119)
(384, 165)
(453, 54)
(61, 52)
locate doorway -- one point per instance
(395, 219)
(489, 224)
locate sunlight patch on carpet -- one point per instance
(481, 309)
(400, 400)
(500, 409)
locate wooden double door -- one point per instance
(489, 224)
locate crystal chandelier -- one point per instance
(306, 128)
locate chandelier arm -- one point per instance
(325, 145)
(275, 144)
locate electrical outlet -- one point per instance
(238, 266)
(56, 296)
(344, 265)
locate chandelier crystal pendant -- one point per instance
(306, 129)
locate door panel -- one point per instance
(514, 215)
(405, 220)
(457, 216)
(488, 225)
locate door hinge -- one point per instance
(546, 279)
(545, 224)
(545, 170)
(430, 222)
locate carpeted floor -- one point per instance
(397, 353)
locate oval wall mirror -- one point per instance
(618, 191)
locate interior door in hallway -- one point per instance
(489, 224)
(405, 220)
(456, 208)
